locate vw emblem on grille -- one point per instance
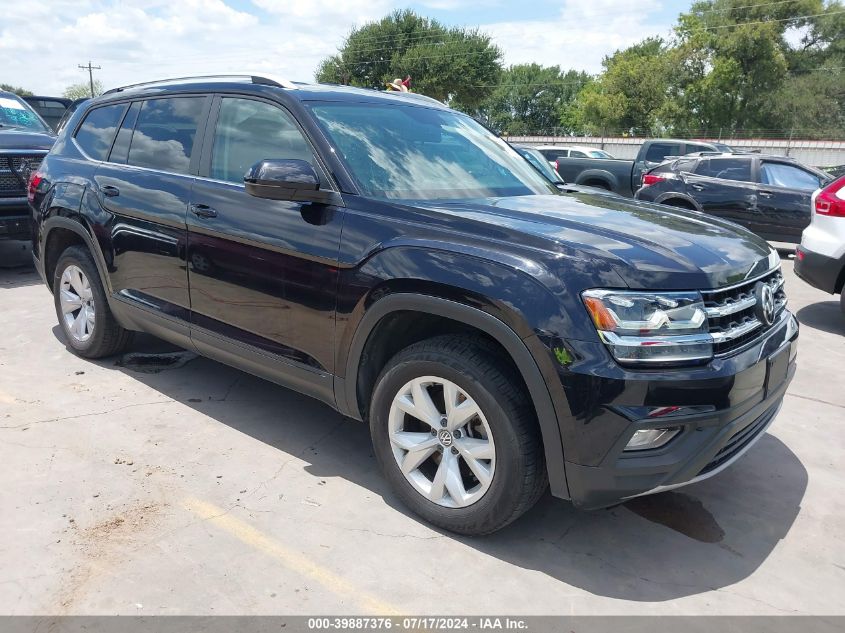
(445, 437)
(764, 309)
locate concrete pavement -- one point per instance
(197, 489)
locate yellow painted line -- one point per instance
(295, 561)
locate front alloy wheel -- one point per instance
(441, 442)
(77, 303)
(455, 434)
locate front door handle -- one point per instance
(766, 194)
(203, 211)
(698, 187)
(109, 191)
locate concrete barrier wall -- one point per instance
(815, 153)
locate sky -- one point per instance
(139, 40)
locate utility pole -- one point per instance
(90, 70)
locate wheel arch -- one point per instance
(598, 176)
(58, 233)
(670, 197)
(349, 393)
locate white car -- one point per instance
(820, 258)
(553, 152)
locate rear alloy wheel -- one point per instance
(82, 308)
(77, 304)
(446, 452)
(455, 434)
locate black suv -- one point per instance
(394, 259)
(768, 195)
(24, 141)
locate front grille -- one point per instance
(10, 185)
(730, 313)
(739, 441)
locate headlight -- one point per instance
(651, 327)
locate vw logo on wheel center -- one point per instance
(764, 310)
(445, 437)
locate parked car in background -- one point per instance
(768, 195)
(624, 176)
(820, 258)
(24, 140)
(51, 109)
(836, 171)
(539, 162)
(401, 263)
(69, 112)
(553, 152)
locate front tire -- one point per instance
(83, 311)
(456, 436)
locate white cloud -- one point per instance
(582, 34)
(137, 40)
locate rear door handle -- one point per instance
(698, 187)
(109, 191)
(203, 211)
(766, 194)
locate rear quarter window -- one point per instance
(738, 169)
(97, 131)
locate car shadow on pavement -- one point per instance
(823, 315)
(18, 277)
(701, 538)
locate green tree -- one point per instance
(733, 65)
(531, 98)
(454, 65)
(82, 90)
(630, 93)
(21, 92)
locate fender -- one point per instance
(671, 195)
(75, 225)
(598, 174)
(346, 392)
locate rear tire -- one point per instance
(82, 308)
(489, 467)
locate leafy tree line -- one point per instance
(731, 66)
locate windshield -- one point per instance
(14, 113)
(417, 153)
(539, 162)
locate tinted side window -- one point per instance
(248, 131)
(574, 153)
(686, 165)
(731, 169)
(691, 147)
(97, 131)
(657, 152)
(788, 176)
(120, 150)
(165, 133)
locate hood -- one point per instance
(20, 139)
(649, 245)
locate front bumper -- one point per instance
(820, 271)
(731, 403)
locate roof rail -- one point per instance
(254, 77)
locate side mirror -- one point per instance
(286, 179)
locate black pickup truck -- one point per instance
(24, 140)
(624, 176)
